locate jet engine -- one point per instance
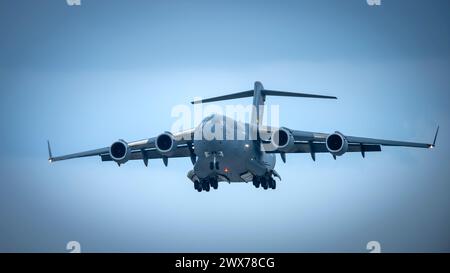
(165, 143)
(120, 151)
(337, 144)
(282, 139)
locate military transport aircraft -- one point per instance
(247, 156)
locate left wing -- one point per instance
(139, 150)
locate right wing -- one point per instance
(312, 143)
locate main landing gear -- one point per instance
(206, 184)
(265, 181)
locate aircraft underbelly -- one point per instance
(236, 161)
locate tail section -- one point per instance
(259, 97)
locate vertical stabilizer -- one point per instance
(258, 104)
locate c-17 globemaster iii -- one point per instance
(249, 158)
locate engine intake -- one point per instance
(337, 144)
(282, 139)
(120, 151)
(165, 143)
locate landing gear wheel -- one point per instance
(264, 183)
(205, 185)
(273, 184)
(198, 186)
(214, 183)
(256, 182)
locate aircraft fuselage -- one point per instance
(229, 152)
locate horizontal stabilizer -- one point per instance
(259, 91)
(238, 95)
(292, 94)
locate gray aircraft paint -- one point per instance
(249, 155)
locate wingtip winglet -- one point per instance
(50, 157)
(435, 137)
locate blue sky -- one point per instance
(86, 76)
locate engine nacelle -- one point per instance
(282, 139)
(120, 151)
(337, 144)
(165, 143)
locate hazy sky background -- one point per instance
(86, 76)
